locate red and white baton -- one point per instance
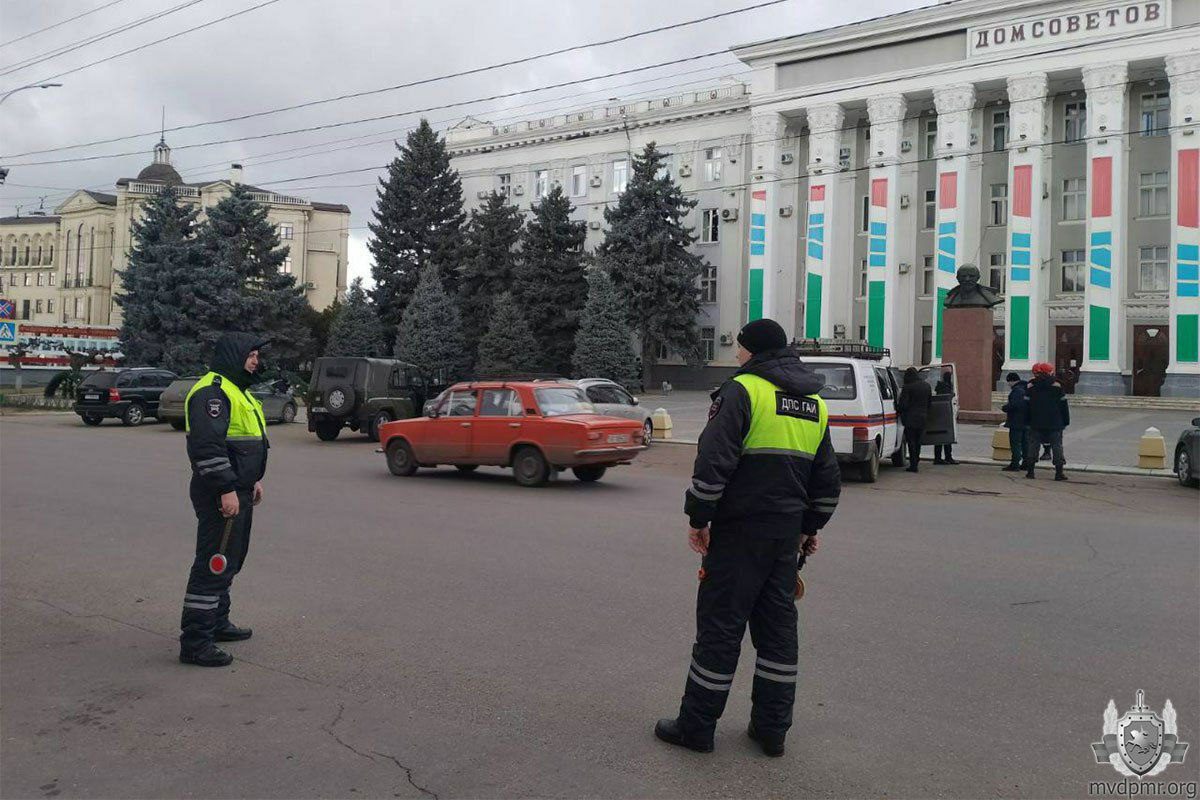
(219, 563)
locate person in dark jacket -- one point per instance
(1048, 416)
(1016, 419)
(913, 406)
(766, 480)
(227, 446)
(943, 453)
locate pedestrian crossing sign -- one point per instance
(8, 332)
(8, 309)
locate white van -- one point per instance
(861, 387)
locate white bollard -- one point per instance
(1152, 450)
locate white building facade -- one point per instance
(1052, 144)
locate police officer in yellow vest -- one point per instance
(765, 481)
(227, 445)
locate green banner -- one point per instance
(756, 296)
(937, 331)
(1099, 318)
(1187, 338)
(1018, 337)
(876, 297)
(812, 307)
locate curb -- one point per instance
(979, 461)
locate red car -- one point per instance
(532, 426)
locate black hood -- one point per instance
(229, 359)
(784, 369)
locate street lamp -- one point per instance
(7, 95)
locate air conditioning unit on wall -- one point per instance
(786, 158)
(482, 195)
(729, 214)
(597, 180)
(685, 171)
(726, 338)
(518, 190)
(594, 224)
(905, 146)
(785, 211)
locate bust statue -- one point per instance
(969, 293)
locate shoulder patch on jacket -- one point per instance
(788, 405)
(715, 408)
(214, 407)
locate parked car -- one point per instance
(611, 398)
(363, 394)
(1187, 455)
(277, 397)
(130, 395)
(535, 427)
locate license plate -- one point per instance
(318, 410)
(618, 438)
(91, 397)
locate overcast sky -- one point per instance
(293, 51)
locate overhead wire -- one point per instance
(60, 23)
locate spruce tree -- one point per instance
(646, 251)
(356, 330)
(418, 223)
(239, 236)
(489, 262)
(430, 332)
(552, 282)
(509, 347)
(604, 344)
(175, 301)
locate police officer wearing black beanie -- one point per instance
(765, 481)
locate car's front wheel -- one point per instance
(289, 413)
(1183, 468)
(648, 433)
(400, 458)
(589, 474)
(530, 467)
(134, 415)
(328, 430)
(91, 419)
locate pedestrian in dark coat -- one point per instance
(1048, 416)
(913, 406)
(1016, 410)
(943, 453)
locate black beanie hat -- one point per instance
(762, 335)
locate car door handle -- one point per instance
(465, 424)
(514, 424)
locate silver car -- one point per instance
(279, 402)
(611, 399)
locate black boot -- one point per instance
(669, 731)
(771, 745)
(1012, 468)
(212, 657)
(1059, 475)
(232, 633)
(1029, 472)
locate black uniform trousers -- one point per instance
(912, 438)
(206, 602)
(748, 578)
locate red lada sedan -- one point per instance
(532, 426)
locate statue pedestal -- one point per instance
(967, 341)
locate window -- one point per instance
(708, 343)
(1154, 198)
(1074, 122)
(562, 400)
(1074, 198)
(500, 403)
(38, 307)
(27, 280)
(713, 157)
(50, 306)
(930, 208)
(838, 380)
(999, 130)
(999, 204)
(286, 266)
(927, 282)
(664, 169)
(664, 352)
(26, 261)
(710, 228)
(13, 260)
(885, 385)
(620, 176)
(78, 307)
(997, 274)
(865, 222)
(862, 278)
(40, 279)
(505, 183)
(52, 277)
(926, 344)
(862, 333)
(1072, 270)
(1152, 269)
(1156, 110)
(708, 284)
(541, 183)
(285, 231)
(578, 180)
(462, 404)
(39, 257)
(601, 393)
(930, 130)
(24, 309)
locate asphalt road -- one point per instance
(456, 635)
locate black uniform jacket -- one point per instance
(778, 495)
(1048, 409)
(220, 465)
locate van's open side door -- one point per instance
(942, 427)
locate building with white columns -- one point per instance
(1052, 144)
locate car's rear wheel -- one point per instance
(328, 430)
(1183, 468)
(289, 413)
(91, 419)
(178, 424)
(134, 415)
(400, 458)
(868, 471)
(378, 421)
(530, 467)
(466, 467)
(589, 474)
(648, 433)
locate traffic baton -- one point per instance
(219, 563)
(800, 581)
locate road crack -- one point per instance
(408, 771)
(407, 774)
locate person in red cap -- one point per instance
(1048, 416)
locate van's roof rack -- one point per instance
(853, 348)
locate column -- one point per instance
(766, 133)
(957, 189)
(1104, 334)
(824, 142)
(1025, 313)
(886, 114)
(1183, 369)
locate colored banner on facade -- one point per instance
(815, 262)
(1020, 261)
(758, 254)
(1100, 260)
(877, 257)
(1186, 323)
